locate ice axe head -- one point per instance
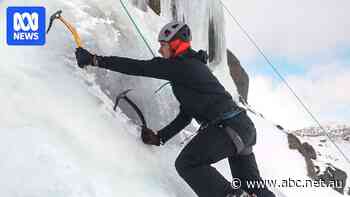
(54, 16)
(123, 95)
(120, 96)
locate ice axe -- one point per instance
(57, 15)
(123, 95)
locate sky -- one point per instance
(309, 43)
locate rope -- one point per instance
(144, 40)
(250, 109)
(306, 108)
(137, 28)
(161, 87)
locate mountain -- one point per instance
(320, 149)
(335, 131)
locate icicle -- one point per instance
(206, 23)
(141, 4)
(166, 9)
(216, 40)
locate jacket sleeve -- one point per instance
(157, 67)
(179, 123)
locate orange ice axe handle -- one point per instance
(57, 15)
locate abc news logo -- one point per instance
(33, 25)
(25, 25)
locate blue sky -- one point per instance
(297, 66)
(301, 69)
(283, 64)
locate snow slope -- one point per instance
(60, 137)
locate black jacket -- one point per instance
(200, 94)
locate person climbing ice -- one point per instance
(226, 131)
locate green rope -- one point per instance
(137, 28)
(144, 40)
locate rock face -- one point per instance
(238, 74)
(142, 5)
(293, 142)
(155, 6)
(338, 131)
(332, 176)
(347, 138)
(308, 150)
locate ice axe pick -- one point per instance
(123, 95)
(57, 15)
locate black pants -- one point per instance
(210, 146)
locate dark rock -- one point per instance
(155, 6)
(238, 74)
(312, 170)
(334, 177)
(293, 142)
(308, 151)
(347, 138)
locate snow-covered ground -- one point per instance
(60, 136)
(327, 153)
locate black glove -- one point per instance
(149, 137)
(84, 57)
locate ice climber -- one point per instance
(226, 131)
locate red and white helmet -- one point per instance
(173, 30)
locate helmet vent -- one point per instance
(167, 32)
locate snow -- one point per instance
(60, 136)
